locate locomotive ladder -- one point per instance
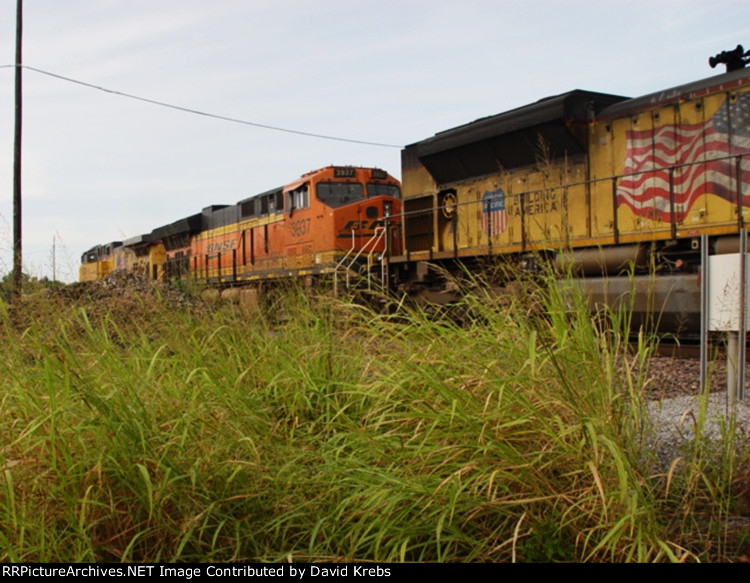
(377, 236)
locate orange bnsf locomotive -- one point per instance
(336, 218)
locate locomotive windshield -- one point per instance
(383, 190)
(336, 194)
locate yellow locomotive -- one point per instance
(98, 261)
(596, 182)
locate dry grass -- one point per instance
(336, 433)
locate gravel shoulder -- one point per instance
(674, 406)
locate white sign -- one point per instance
(724, 292)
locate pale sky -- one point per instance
(99, 167)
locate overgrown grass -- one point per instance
(335, 433)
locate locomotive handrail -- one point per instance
(377, 235)
(374, 239)
(340, 263)
(669, 171)
(737, 158)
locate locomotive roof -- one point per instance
(112, 244)
(722, 82)
(576, 105)
(191, 224)
(511, 139)
(137, 240)
(266, 193)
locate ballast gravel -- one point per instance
(676, 409)
(675, 422)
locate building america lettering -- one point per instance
(536, 203)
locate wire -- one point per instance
(204, 113)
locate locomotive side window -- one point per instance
(383, 190)
(248, 208)
(299, 198)
(336, 194)
(271, 203)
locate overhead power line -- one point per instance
(204, 113)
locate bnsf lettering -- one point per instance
(362, 225)
(299, 228)
(221, 246)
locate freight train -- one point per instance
(334, 220)
(599, 185)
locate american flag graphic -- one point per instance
(692, 149)
(494, 216)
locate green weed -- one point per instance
(508, 428)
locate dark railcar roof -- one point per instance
(217, 216)
(137, 240)
(186, 226)
(207, 220)
(510, 139)
(100, 251)
(266, 193)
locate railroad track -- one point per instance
(691, 349)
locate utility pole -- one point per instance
(54, 271)
(17, 248)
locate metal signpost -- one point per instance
(724, 305)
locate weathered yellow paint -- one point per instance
(572, 203)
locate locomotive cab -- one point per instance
(98, 261)
(340, 211)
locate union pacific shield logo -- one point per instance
(494, 216)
